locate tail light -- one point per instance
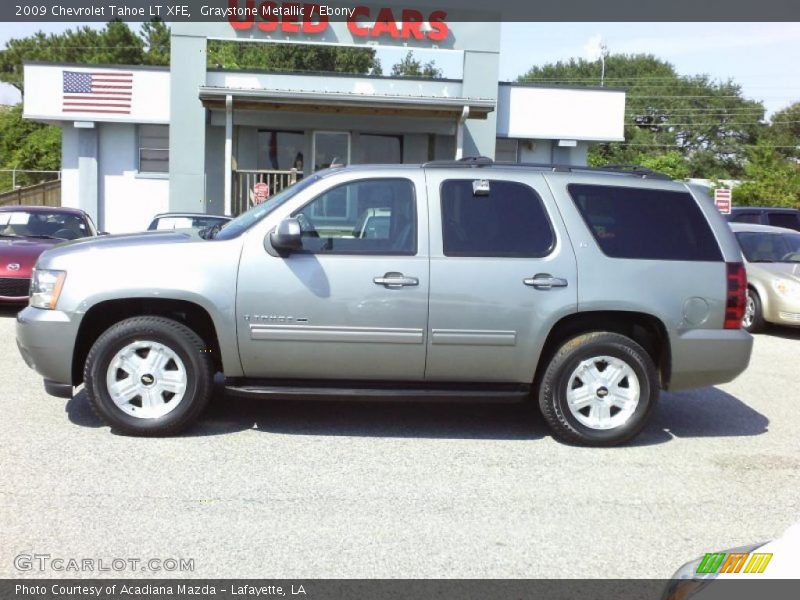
(735, 297)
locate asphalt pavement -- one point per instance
(397, 490)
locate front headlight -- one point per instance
(46, 287)
(786, 288)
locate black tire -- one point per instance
(757, 323)
(178, 338)
(554, 386)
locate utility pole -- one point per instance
(603, 55)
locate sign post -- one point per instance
(261, 192)
(722, 200)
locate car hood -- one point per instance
(127, 240)
(22, 252)
(787, 270)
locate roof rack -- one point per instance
(483, 161)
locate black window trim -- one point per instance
(633, 187)
(553, 234)
(414, 220)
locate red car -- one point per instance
(26, 232)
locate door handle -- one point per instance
(395, 280)
(545, 281)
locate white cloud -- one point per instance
(717, 38)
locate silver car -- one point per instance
(772, 260)
(585, 290)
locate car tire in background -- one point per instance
(753, 320)
(598, 389)
(149, 376)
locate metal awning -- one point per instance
(346, 103)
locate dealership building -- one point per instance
(143, 140)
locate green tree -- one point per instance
(292, 57)
(155, 35)
(784, 131)
(116, 43)
(709, 123)
(25, 144)
(411, 67)
(770, 179)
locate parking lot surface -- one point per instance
(358, 489)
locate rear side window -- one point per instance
(647, 224)
(509, 221)
(747, 218)
(788, 220)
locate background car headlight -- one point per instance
(46, 287)
(786, 288)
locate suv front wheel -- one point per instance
(149, 376)
(598, 389)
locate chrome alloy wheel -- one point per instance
(749, 311)
(146, 379)
(603, 392)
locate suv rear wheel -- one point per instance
(149, 376)
(598, 390)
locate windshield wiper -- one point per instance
(763, 260)
(44, 237)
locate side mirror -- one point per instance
(287, 236)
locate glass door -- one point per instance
(331, 148)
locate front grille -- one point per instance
(788, 316)
(14, 287)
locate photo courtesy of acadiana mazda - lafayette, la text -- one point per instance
(585, 290)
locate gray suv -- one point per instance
(587, 290)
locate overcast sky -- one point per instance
(763, 57)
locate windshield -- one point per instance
(768, 247)
(186, 222)
(247, 219)
(43, 224)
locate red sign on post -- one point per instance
(260, 192)
(722, 200)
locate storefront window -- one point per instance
(280, 150)
(380, 149)
(331, 148)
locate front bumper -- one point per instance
(703, 357)
(46, 340)
(782, 312)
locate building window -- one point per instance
(506, 150)
(280, 150)
(381, 149)
(154, 148)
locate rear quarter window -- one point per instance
(645, 223)
(747, 218)
(787, 220)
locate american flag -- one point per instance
(97, 92)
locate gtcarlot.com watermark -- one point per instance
(48, 562)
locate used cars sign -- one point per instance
(362, 21)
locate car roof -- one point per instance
(764, 209)
(754, 227)
(482, 163)
(190, 214)
(43, 209)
